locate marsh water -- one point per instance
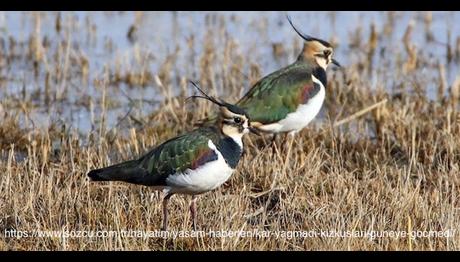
(143, 42)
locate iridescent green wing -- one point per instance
(188, 151)
(278, 94)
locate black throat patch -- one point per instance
(230, 150)
(320, 74)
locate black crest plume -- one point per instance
(235, 109)
(204, 95)
(305, 36)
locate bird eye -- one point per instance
(327, 52)
(237, 120)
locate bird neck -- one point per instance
(231, 150)
(233, 133)
(319, 75)
(238, 139)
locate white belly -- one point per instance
(203, 179)
(299, 119)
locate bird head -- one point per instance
(233, 120)
(315, 50)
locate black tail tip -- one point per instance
(94, 175)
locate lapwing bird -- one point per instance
(287, 100)
(193, 163)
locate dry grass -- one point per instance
(394, 168)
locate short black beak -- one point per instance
(335, 62)
(254, 130)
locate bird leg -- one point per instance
(165, 211)
(193, 211)
(289, 137)
(273, 140)
(273, 143)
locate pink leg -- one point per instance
(193, 211)
(165, 211)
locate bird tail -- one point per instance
(127, 171)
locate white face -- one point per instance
(234, 124)
(324, 57)
(322, 62)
